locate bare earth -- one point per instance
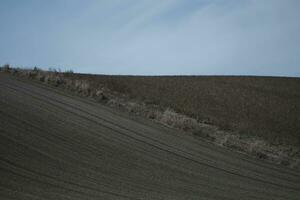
(54, 145)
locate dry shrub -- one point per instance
(82, 86)
(69, 84)
(255, 146)
(173, 119)
(99, 94)
(206, 132)
(40, 77)
(153, 114)
(52, 78)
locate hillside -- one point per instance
(55, 145)
(256, 115)
(268, 107)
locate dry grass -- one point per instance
(256, 115)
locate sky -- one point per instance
(153, 37)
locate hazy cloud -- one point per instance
(250, 37)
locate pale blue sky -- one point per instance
(153, 37)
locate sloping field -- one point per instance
(54, 145)
(267, 107)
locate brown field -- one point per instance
(267, 107)
(57, 145)
(256, 115)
